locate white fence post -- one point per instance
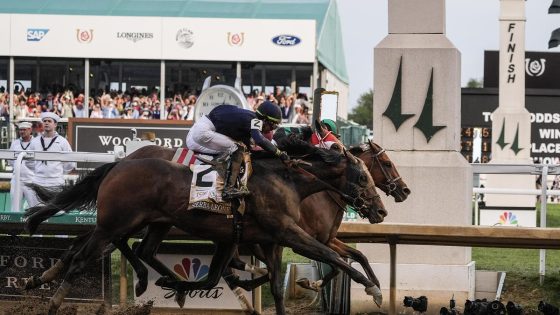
(544, 200)
(17, 189)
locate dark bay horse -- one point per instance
(320, 218)
(131, 194)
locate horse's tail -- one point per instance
(82, 197)
(45, 194)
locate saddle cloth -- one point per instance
(207, 183)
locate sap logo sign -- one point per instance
(36, 34)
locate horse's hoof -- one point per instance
(180, 298)
(163, 281)
(376, 293)
(32, 283)
(261, 271)
(140, 288)
(306, 284)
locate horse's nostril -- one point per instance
(406, 190)
(382, 212)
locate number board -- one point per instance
(476, 144)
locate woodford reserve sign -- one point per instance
(102, 135)
(23, 257)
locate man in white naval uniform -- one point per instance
(49, 173)
(26, 175)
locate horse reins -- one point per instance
(391, 183)
(357, 202)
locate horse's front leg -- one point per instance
(346, 251)
(303, 244)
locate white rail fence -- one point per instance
(527, 169)
(19, 156)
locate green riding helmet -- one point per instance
(331, 126)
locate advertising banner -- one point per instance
(23, 257)
(508, 216)
(5, 34)
(170, 38)
(239, 40)
(191, 262)
(102, 135)
(85, 36)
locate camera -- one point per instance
(451, 310)
(418, 304)
(476, 307)
(496, 308)
(548, 309)
(514, 308)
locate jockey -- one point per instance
(327, 140)
(216, 132)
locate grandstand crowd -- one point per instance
(136, 104)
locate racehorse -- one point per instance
(131, 194)
(320, 217)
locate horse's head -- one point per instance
(383, 170)
(360, 187)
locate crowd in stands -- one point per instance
(135, 104)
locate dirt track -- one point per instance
(35, 307)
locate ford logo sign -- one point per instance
(286, 40)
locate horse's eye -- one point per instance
(363, 180)
(388, 164)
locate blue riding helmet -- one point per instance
(269, 111)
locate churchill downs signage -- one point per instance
(23, 257)
(102, 135)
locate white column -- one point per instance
(11, 127)
(417, 119)
(162, 91)
(511, 125)
(86, 87)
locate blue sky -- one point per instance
(472, 26)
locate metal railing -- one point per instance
(524, 169)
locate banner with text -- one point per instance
(167, 38)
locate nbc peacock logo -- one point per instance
(191, 269)
(508, 218)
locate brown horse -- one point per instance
(134, 193)
(320, 217)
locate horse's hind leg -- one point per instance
(137, 265)
(273, 255)
(60, 266)
(92, 249)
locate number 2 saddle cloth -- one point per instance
(208, 183)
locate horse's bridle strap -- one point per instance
(344, 196)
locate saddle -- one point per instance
(208, 182)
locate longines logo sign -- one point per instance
(135, 36)
(542, 70)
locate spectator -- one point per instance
(96, 113)
(79, 110)
(49, 173)
(26, 174)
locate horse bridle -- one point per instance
(358, 202)
(390, 182)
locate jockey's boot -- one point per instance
(230, 191)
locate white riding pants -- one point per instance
(203, 138)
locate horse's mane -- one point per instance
(361, 148)
(298, 148)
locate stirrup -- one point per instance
(233, 193)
